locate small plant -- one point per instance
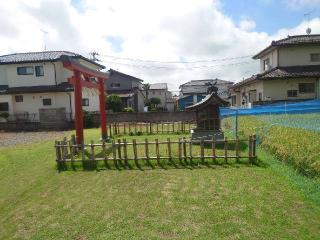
(4, 115)
(128, 109)
(139, 133)
(131, 133)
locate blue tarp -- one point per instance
(311, 106)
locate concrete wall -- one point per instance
(296, 56)
(150, 117)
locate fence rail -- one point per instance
(150, 127)
(184, 150)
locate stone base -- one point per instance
(207, 134)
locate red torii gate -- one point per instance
(91, 79)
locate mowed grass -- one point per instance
(225, 202)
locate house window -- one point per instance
(4, 107)
(85, 101)
(292, 93)
(266, 64)
(234, 100)
(306, 87)
(115, 85)
(25, 70)
(315, 57)
(39, 71)
(19, 98)
(46, 102)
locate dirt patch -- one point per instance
(11, 139)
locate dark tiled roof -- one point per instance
(63, 87)
(212, 98)
(200, 87)
(113, 72)
(41, 57)
(283, 72)
(292, 41)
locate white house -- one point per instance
(160, 90)
(289, 71)
(33, 81)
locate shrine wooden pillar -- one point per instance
(78, 106)
(102, 105)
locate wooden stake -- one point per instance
(135, 152)
(147, 151)
(179, 150)
(226, 150)
(71, 151)
(169, 149)
(157, 152)
(190, 149)
(213, 146)
(114, 152)
(202, 151)
(125, 154)
(119, 151)
(185, 150)
(92, 150)
(237, 149)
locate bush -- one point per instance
(4, 115)
(114, 103)
(87, 120)
(128, 109)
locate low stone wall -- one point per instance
(148, 117)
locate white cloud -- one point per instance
(297, 4)
(165, 30)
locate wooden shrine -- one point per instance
(207, 116)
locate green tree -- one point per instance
(114, 103)
(154, 102)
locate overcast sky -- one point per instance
(167, 32)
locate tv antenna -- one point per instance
(308, 15)
(44, 38)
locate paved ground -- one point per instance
(10, 139)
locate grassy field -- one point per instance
(225, 202)
(291, 144)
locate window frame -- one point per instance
(39, 74)
(115, 85)
(7, 106)
(314, 57)
(85, 102)
(266, 64)
(26, 73)
(46, 99)
(18, 98)
(292, 91)
(307, 90)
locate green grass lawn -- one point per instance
(226, 202)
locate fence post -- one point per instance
(213, 146)
(125, 153)
(157, 127)
(135, 154)
(124, 128)
(202, 151)
(119, 151)
(92, 150)
(169, 149)
(151, 130)
(254, 144)
(179, 151)
(250, 149)
(129, 127)
(226, 150)
(114, 153)
(157, 151)
(190, 149)
(237, 149)
(104, 151)
(110, 130)
(71, 151)
(58, 151)
(185, 149)
(147, 152)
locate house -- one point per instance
(127, 87)
(195, 90)
(289, 71)
(160, 90)
(33, 83)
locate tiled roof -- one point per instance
(200, 87)
(113, 72)
(283, 72)
(292, 41)
(157, 86)
(63, 87)
(40, 57)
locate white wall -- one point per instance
(296, 56)
(273, 59)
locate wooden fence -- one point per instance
(150, 127)
(186, 151)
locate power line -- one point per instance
(169, 62)
(179, 68)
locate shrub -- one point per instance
(87, 119)
(4, 115)
(128, 109)
(114, 103)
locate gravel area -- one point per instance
(11, 139)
